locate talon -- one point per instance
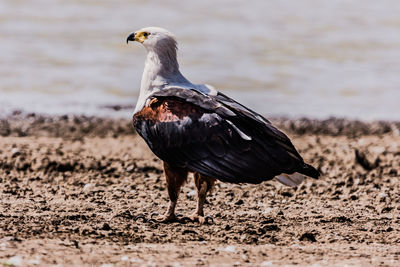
(201, 219)
(151, 220)
(141, 216)
(153, 214)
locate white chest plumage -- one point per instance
(162, 74)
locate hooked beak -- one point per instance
(131, 37)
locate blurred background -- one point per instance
(293, 58)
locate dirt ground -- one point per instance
(80, 192)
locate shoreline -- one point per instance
(75, 126)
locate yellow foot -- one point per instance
(166, 218)
(201, 219)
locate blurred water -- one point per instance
(280, 57)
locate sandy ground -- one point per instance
(80, 191)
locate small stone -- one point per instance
(382, 195)
(245, 258)
(192, 193)
(14, 261)
(124, 258)
(266, 263)
(130, 168)
(88, 187)
(268, 210)
(230, 249)
(15, 152)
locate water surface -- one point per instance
(297, 58)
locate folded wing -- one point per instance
(216, 136)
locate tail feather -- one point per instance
(310, 171)
(296, 178)
(292, 180)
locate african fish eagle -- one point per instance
(194, 128)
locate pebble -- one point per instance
(124, 258)
(14, 261)
(267, 210)
(130, 168)
(230, 249)
(245, 258)
(382, 195)
(14, 152)
(88, 187)
(192, 193)
(266, 263)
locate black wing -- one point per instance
(218, 137)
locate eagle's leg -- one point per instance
(175, 178)
(204, 184)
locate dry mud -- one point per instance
(80, 191)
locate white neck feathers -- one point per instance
(161, 69)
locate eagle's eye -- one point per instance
(145, 34)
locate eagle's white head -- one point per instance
(154, 39)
